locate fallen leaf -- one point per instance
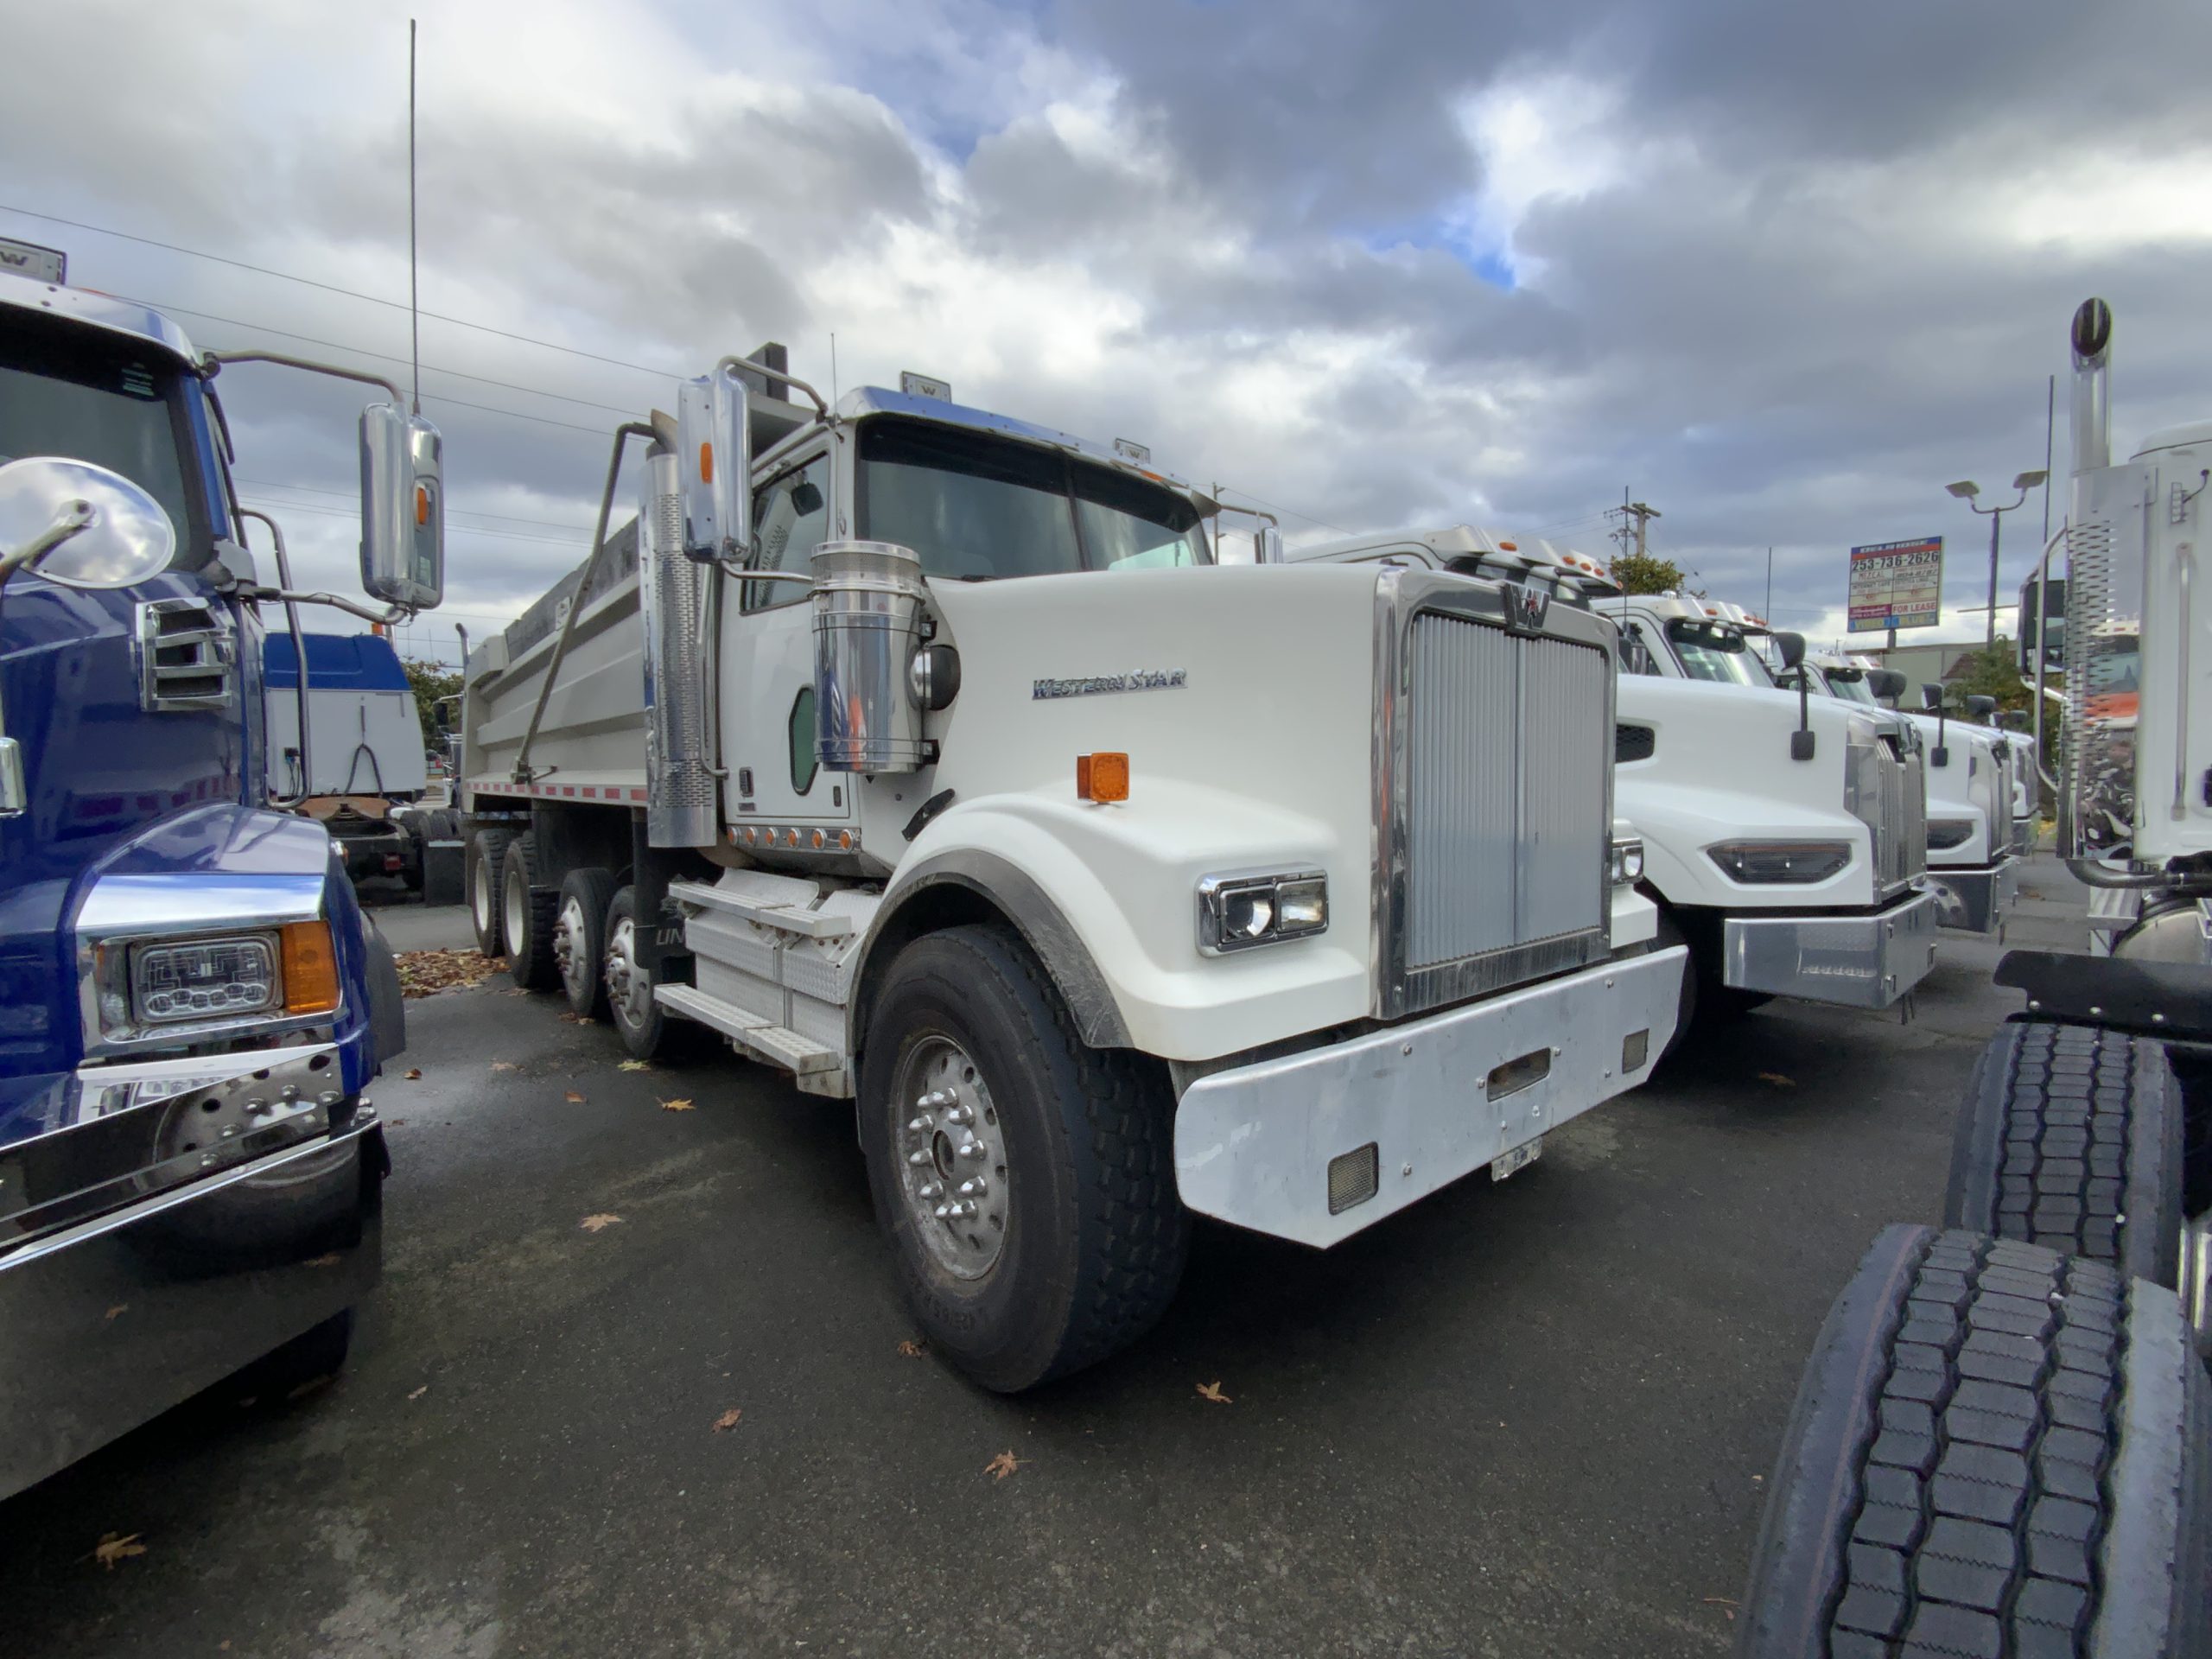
(1003, 1465)
(420, 1392)
(414, 1073)
(518, 991)
(396, 1123)
(575, 1099)
(593, 1223)
(115, 1546)
(910, 1350)
(313, 1385)
(1212, 1391)
(727, 1419)
(570, 1017)
(329, 1261)
(636, 1065)
(118, 1309)
(425, 973)
(1777, 1080)
(676, 1106)
(504, 1065)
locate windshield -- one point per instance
(1850, 684)
(96, 400)
(1711, 651)
(978, 508)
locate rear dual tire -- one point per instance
(527, 910)
(481, 880)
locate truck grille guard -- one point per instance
(1492, 812)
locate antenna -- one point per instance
(414, 298)
(833, 372)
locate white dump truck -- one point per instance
(1976, 833)
(927, 755)
(1783, 837)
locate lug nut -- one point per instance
(961, 1114)
(972, 1149)
(917, 1159)
(932, 1189)
(960, 1211)
(973, 1189)
(942, 1212)
(920, 1125)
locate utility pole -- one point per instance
(1636, 513)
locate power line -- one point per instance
(1278, 507)
(580, 540)
(363, 351)
(451, 511)
(330, 288)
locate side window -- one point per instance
(1635, 656)
(791, 518)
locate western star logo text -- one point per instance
(1092, 685)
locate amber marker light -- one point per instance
(310, 968)
(1102, 777)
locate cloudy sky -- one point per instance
(1782, 271)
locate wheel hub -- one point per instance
(952, 1160)
(567, 947)
(628, 989)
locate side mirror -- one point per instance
(79, 525)
(1267, 545)
(1791, 647)
(714, 463)
(1980, 707)
(1931, 699)
(403, 508)
(1886, 684)
(441, 715)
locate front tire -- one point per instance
(580, 940)
(1076, 1240)
(526, 913)
(2070, 1137)
(1995, 1450)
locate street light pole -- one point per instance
(1967, 490)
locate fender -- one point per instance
(1015, 894)
(387, 1004)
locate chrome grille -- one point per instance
(2003, 830)
(1885, 789)
(1508, 737)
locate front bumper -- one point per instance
(1253, 1144)
(1861, 962)
(124, 1291)
(1976, 901)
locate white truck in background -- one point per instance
(1783, 838)
(927, 755)
(1976, 834)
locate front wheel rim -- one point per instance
(952, 1167)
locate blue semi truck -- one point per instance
(192, 1004)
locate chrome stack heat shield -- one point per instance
(869, 600)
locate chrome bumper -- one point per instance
(1976, 901)
(1253, 1144)
(123, 1292)
(1861, 962)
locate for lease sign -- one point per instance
(1896, 585)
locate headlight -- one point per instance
(203, 979)
(1625, 866)
(1238, 911)
(1796, 862)
(214, 981)
(1948, 832)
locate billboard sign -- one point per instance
(1896, 585)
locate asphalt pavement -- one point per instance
(1527, 1418)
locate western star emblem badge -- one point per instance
(1091, 685)
(1525, 608)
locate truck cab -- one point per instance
(1782, 838)
(1976, 833)
(192, 1005)
(928, 755)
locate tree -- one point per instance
(430, 682)
(1646, 573)
(1989, 671)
